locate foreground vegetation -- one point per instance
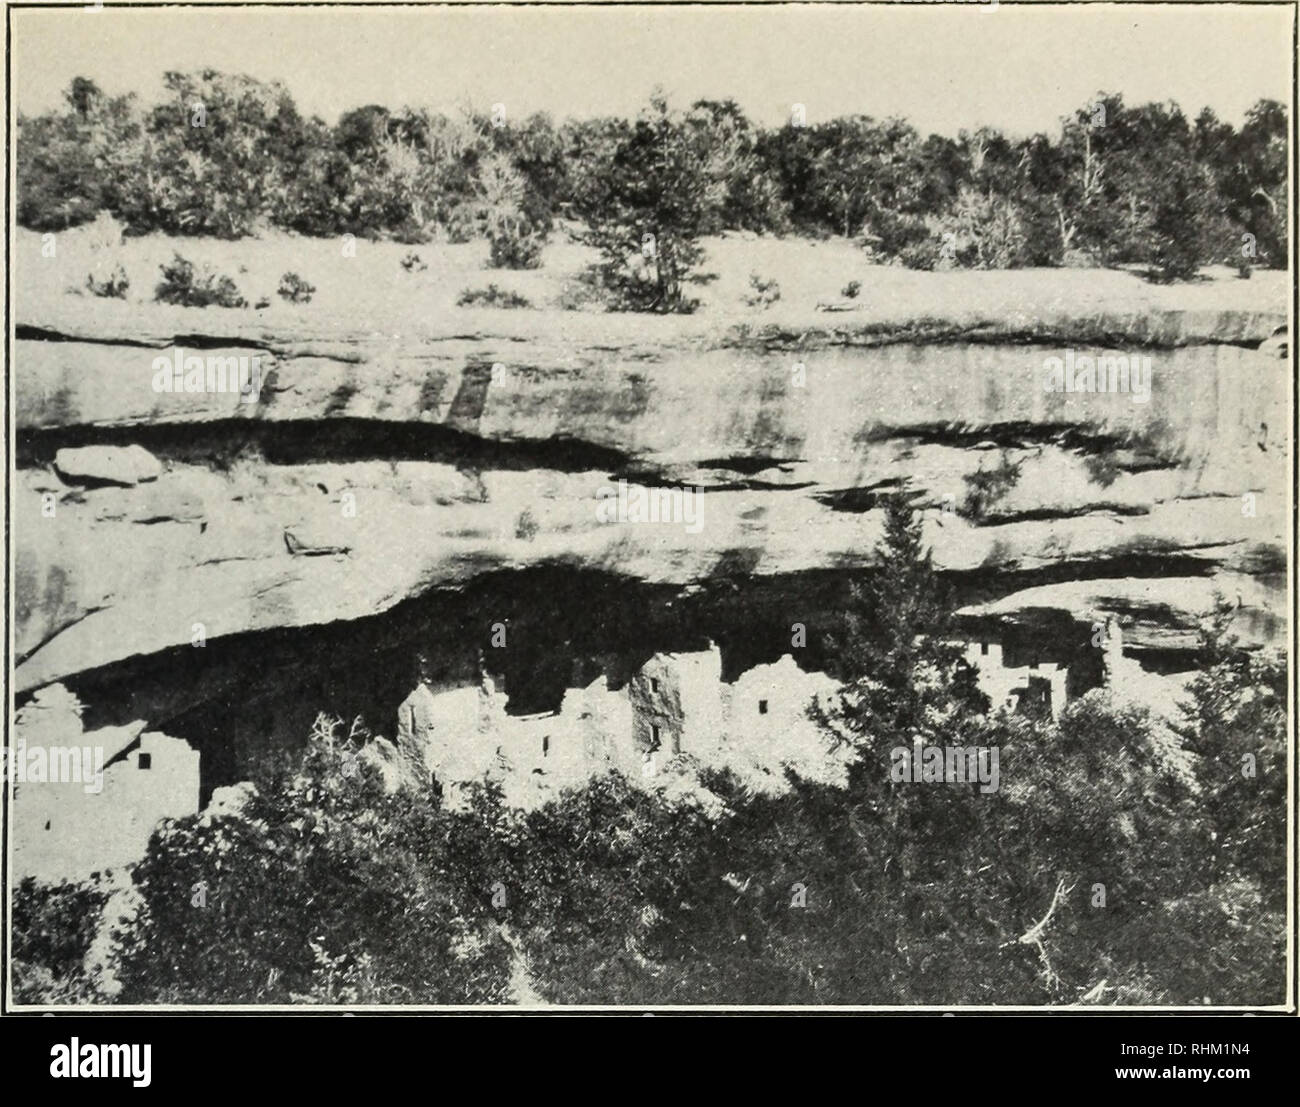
(1119, 862)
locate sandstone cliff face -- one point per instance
(378, 467)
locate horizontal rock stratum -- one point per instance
(379, 464)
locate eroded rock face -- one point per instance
(375, 469)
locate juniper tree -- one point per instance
(895, 651)
(646, 206)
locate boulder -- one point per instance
(120, 465)
(230, 800)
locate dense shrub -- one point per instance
(516, 249)
(926, 254)
(53, 926)
(1180, 226)
(182, 284)
(492, 296)
(324, 889)
(502, 210)
(982, 232)
(1239, 730)
(763, 292)
(114, 285)
(294, 289)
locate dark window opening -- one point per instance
(146, 761)
(984, 649)
(654, 736)
(654, 684)
(762, 707)
(546, 744)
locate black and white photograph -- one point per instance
(684, 508)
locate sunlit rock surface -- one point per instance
(682, 457)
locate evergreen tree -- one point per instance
(646, 207)
(895, 651)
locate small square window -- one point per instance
(762, 707)
(146, 761)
